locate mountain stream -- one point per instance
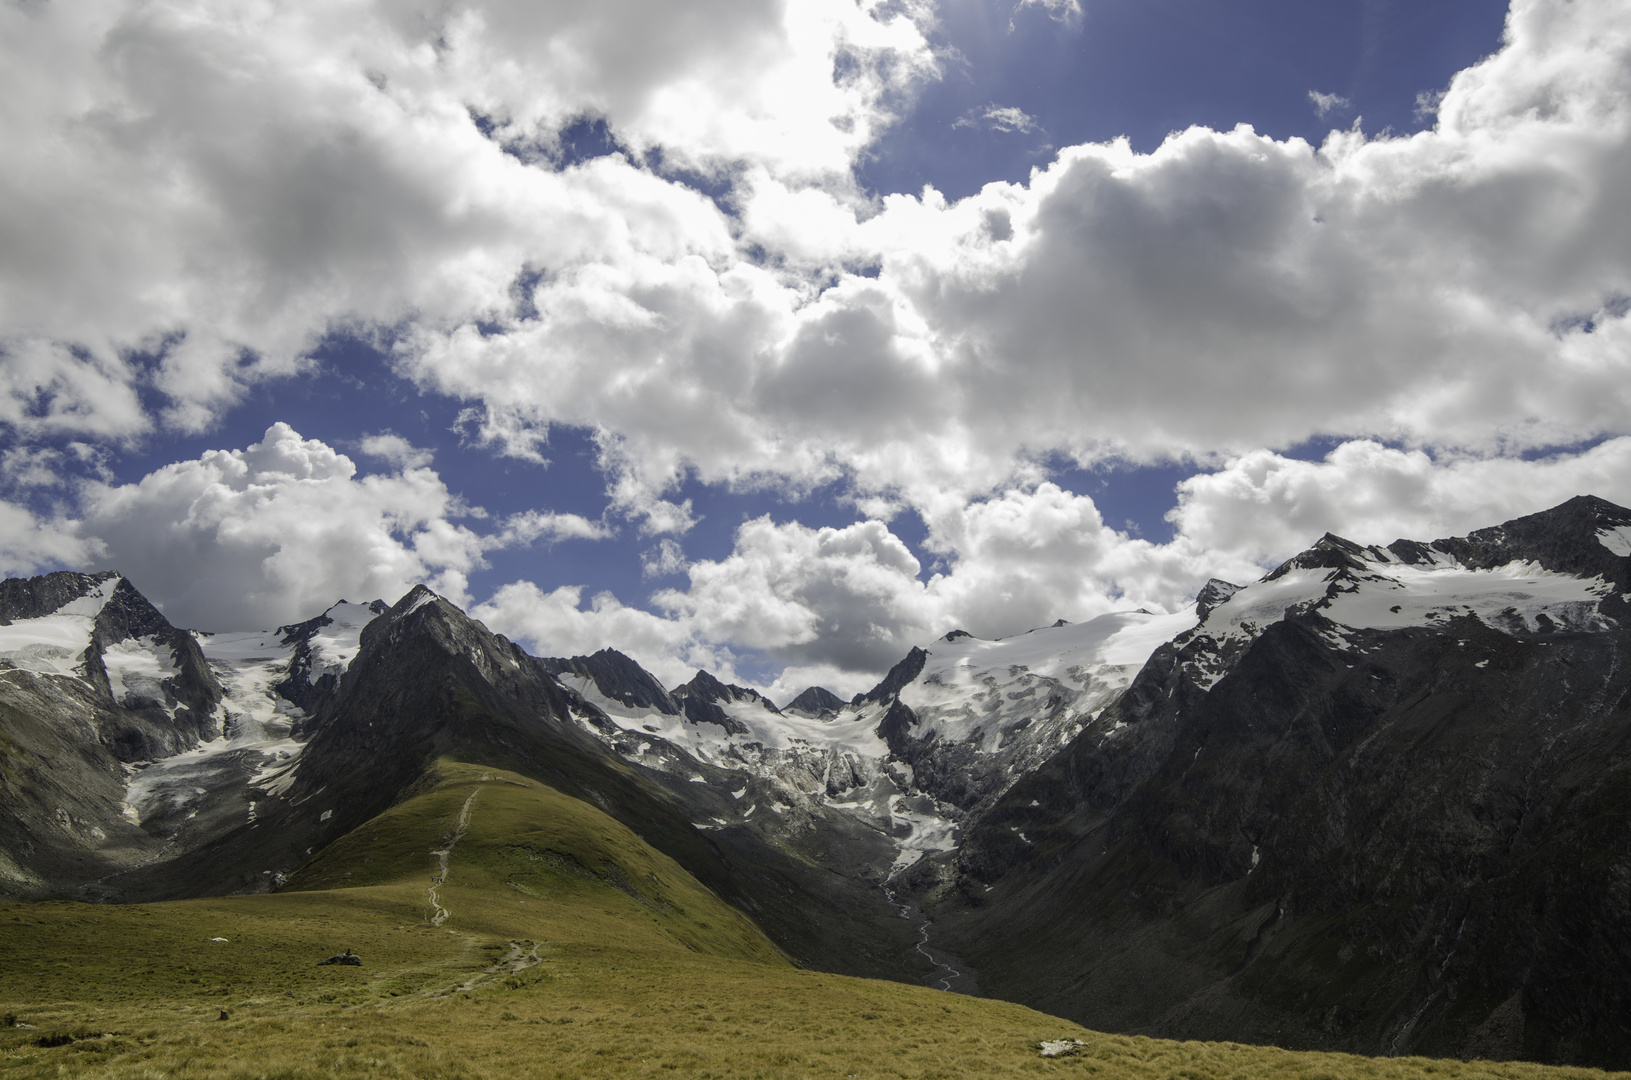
(950, 972)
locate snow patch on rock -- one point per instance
(1617, 539)
(1378, 591)
(336, 643)
(137, 669)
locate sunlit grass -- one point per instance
(550, 965)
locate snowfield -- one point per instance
(1013, 701)
(1394, 595)
(136, 669)
(1385, 593)
(55, 644)
(971, 689)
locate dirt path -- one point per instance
(438, 913)
(516, 960)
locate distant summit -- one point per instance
(817, 703)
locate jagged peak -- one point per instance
(378, 607)
(699, 701)
(909, 668)
(1340, 543)
(1213, 593)
(608, 657)
(414, 599)
(1330, 552)
(293, 633)
(612, 654)
(617, 676)
(1586, 536)
(1583, 512)
(1596, 505)
(704, 686)
(118, 609)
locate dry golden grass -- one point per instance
(547, 967)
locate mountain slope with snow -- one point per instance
(1373, 802)
(941, 737)
(133, 741)
(93, 681)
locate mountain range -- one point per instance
(1377, 800)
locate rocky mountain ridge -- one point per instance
(1318, 809)
(1376, 801)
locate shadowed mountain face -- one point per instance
(619, 678)
(817, 703)
(1377, 801)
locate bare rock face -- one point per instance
(1213, 593)
(312, 677)
(1375, 802)
(705, 700)
(177, 713)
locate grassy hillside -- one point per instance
(559, 945)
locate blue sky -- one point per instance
(1146, 69)
(806, 333)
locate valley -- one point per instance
(1373, 803)
(570, 949)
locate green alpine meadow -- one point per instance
(552, 942)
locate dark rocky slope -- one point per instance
(816, 702)
(618, 677)
(1384, 840)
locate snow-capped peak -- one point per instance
(971, 690)
(1413, 584)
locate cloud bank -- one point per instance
(194, 197)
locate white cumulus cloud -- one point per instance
(194, 196)
(1225, 292)
(276, 532)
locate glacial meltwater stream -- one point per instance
(950, 973)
